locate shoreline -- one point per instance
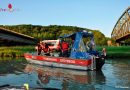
(18, 51)
(116, 52)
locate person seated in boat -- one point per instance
(90, 46)
(64, 48)
(39, 47)
(46, 49)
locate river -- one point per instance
(115, 75)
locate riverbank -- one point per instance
(18, 51)
(116, 52)
(15, 51)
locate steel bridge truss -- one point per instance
(121, 29)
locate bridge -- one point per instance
(9, 37)
(121, 30)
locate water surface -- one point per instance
(115, 75)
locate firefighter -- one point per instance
(64, 48)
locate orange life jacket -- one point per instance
(65, 46)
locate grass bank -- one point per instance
(15, 51)
(116, 52)
(18, 51)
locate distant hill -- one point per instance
(53, 31)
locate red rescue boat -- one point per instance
(78, 56)
(61, 62)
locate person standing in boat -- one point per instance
(64, 48)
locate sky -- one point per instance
(99, 15)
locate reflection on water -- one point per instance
(11, 66)
(66, 79)
(115, 75)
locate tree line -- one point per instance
(54, 31)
